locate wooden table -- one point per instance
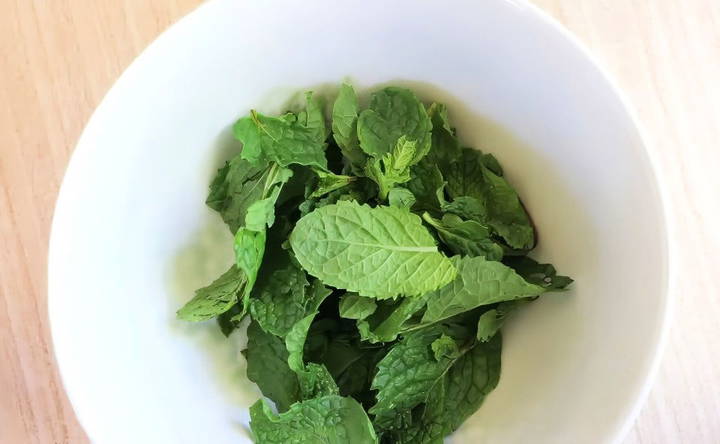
(58, 58)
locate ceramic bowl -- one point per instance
(132, 238)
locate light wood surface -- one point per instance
(59, 57)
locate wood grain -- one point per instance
(58, 58)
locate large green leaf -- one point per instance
(378, 252)
(326, 420)
(478, 282)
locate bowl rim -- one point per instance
(640, 391)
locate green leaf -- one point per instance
(249, 251)
(314, 379)
(219, 189)
(401, 198)
(354, 306)
(216, 298)
(312, 118)
(267, 366)
(392, 168)
(491, 321)
(280, 300)
(454, 398)
(389, 319)
(445, 146)
(466, 237)
(492, 164)
(325, 420)
(393, 113)
(344, 124)
(479, 282)
(378, 252)
(466, 207)
(543, 275)
(261, 213)
(236, 186)
(226, 322)
(328, 182)
(444, 347)
(426, 181)
(280, 139)
(504, 213)
(409, 372)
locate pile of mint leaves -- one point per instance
(376, 259)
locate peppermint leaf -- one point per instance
(378, 252)
(216, 298)
(280, 139)
(466, 237)
(326, 420)
(393, 113)
(478, 282)
(344, 124)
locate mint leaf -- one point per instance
(390, 319)
(401, 198)
(314, 379)
(325, 420)
(407, 374)
(281, 300)
(261, 213)
(344, 124)
(455, 397)
(378, 252)
(468, 208)
(354, 306)
(503, 211)
(216, 298)
(280, 139)
(445, 146)
(465, 237)
(489, 323)
(478, 282)
(393, 113)
(426, 182)
(235, 187)
(267, 366)
(543, 275)
(312, 118)
(328, 182)
(249, 250)
(492, 164)
(444, 347)
(392, 168)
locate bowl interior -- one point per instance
(132, 238)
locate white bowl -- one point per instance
(132, 237)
